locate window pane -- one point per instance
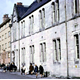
(55, 50)
(77, 45)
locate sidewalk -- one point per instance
(32, 76)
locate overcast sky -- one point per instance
(6, 6)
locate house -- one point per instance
(5, 40)
(47, 33)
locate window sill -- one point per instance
(76, 61)
(57, 62)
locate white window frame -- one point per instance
(57, 10)
(8, 33)
(23, 55)
(40, 18)
(5, 35)
(76, 6)
(31, 22)
(5, 45)
(9, 44)
(32, 51)
(57, 50)
(0, 38)
(43, 52)
(0, 48)
(23, 27)
(43, 17)
(76, 44)
(53, 13)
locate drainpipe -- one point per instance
(19, 45)
(66, 41)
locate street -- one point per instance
(8, 75)
(17, 75)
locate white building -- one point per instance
(47, 33)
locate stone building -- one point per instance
(5, 40)
(47, 33)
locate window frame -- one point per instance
(76, 53)
(56, 50)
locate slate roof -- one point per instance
(21, 10)
(7, 20)
(34, 6)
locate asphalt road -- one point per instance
(6, 75)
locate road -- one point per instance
(7, 75)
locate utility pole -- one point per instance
(66, 41)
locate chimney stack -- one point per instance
(19, 3)
(5, 17)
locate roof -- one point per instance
(7, 20)
(21, 10)
(34, 6)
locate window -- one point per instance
(5, 35)
(5, 45)
(31, 20)
(43, 52)
(43, 12)
(8, 55)
(77, 45)
(32, 51)
(57, 10)
(57, 49)
(42, 18)
(0, 48)
(8, 44)
(32, 23)
(40, 15)
(8, 33)
(14, 32)
(22, 28)
(76, 6)
(23, 55)
(53, 12)
(0, 38)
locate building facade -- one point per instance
(5, 40)
(47, 33)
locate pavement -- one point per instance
(29, 76)
(39, 77)
(34, 76)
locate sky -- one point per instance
(6, 6)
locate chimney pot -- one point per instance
(19, 3)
